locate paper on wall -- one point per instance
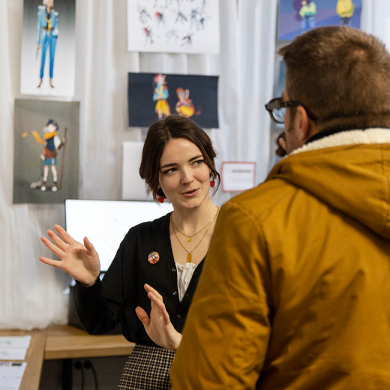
(133, 187)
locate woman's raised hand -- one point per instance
(159, 327)
(80, 261)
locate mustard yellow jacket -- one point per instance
(295, 290)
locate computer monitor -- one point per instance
(106, 222)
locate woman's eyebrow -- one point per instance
(168, 165)
(194, 158)
(173, 164)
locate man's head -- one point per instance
(341, 75)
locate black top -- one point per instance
(101, 306)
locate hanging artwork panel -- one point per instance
(48, 48)
(173, 26)
(298, 16)
(154, 96)
(46, 151)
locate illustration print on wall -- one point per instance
(46, 139)
(298, 16)
(48, 48)
(153, 97)
(173, 26)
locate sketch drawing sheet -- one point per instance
(173, 26)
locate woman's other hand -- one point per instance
(80, 261)
(159, 327)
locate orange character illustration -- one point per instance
(184, 106)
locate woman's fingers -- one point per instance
(161, 306)
(157, 301)
(54, 263)
(64, 235)
(150, 289)
(57, 241)
(57, 251)
(90, 248)
(165, 314)
(142, 315)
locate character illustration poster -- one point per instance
(153, 97)
(48, 48)
(173, 26)
(298, 16)
(46, 155)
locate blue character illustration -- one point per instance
(307, 13)
(47, 35)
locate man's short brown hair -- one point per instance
(342, 75)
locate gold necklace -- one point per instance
(189, 253)
(190, 237)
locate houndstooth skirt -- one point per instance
(147, 368)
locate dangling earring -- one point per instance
(212, 183)
(160, 199)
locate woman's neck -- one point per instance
(189, 221)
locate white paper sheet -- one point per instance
(15, 342)
(238, 176)
(133, 187)
(13, 353)
(11, 375)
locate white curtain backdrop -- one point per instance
(32, 294)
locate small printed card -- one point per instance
(11, 375)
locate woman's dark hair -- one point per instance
(159, 134)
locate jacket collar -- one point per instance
(337, 137)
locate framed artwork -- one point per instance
(46, 155)
(48, 48)
(152, 97)
(298, 16)
(173, 26)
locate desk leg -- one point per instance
(67, 365)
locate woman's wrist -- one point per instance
(176, 342)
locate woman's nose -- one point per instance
(187, 178)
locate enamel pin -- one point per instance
(153, 257)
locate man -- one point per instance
(295, 292)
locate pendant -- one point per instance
(189, 239)
(189, 258)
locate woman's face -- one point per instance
(184, 176)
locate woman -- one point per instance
(163, 257)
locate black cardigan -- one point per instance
(101, 306)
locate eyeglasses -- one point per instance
(277, 109)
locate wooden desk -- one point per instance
(34, 356)
(65, 342)
(68, 342)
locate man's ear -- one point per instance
(304, 126)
